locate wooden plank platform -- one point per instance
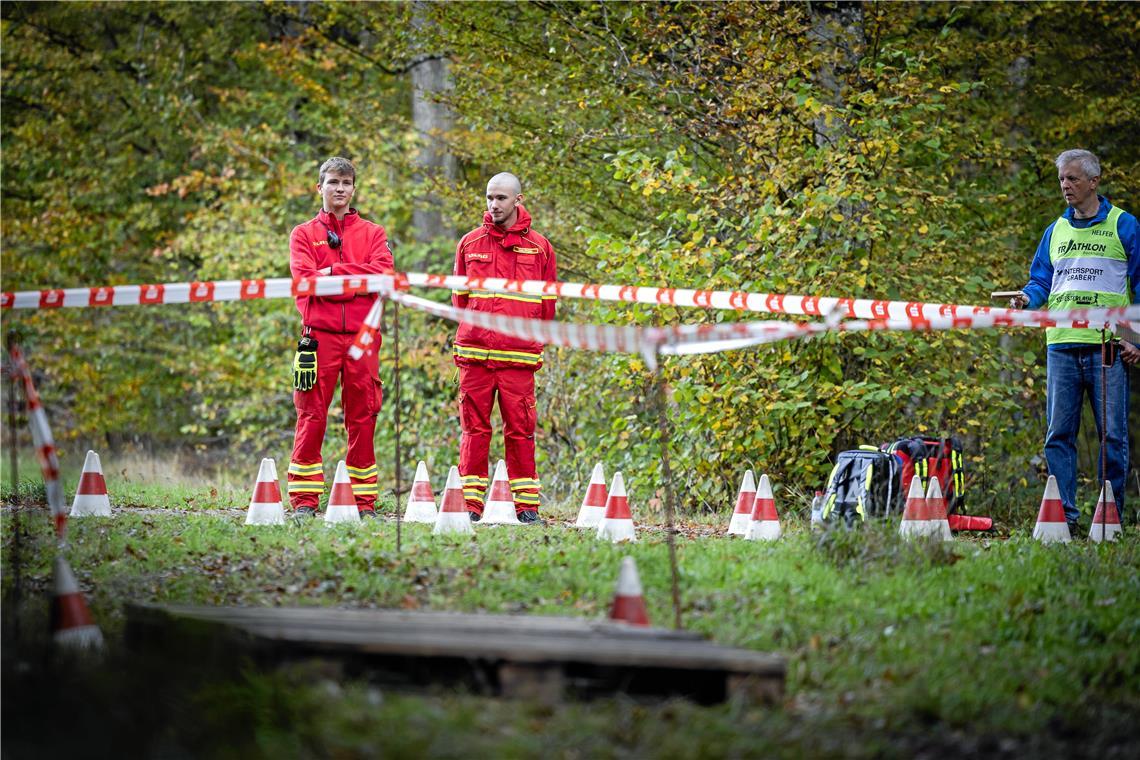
(531, 657)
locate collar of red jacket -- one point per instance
(512, 236)
(335, 224)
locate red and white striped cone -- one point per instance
(629, 602)
(71, 622)
(745, 501)
(765, 524)
(452, 517)
(342, 503)
(265, 505)
(617, 524)
(1051, 524)
(936, 511)
(421, 501)
(916, 517)
(500, 506)
(594, 502)
(1106, 522)
(91, 496)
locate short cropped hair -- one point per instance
(337, 165)
(1088, 161)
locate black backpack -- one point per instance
(864, 483)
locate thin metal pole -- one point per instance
(396, 420)
(17, 589)
(1104, 349)
(667, 473)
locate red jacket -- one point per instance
(363, 250)
(518, 253)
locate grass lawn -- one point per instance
(982, 646)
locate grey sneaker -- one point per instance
(530, 517)
(304, 514)
(368, 514)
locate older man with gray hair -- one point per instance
(1089, 257)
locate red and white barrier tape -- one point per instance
(41, 438)
(713, 337)
(197, 292)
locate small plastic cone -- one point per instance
(1051, 525)
(265, 505)
(594, 502)
(1106, 522)
(936, 511)
(617, 525)
(71, 622)
(629, 602)
(452, 517)
(342, 504)
(500, 506)
(765, 524)
(91, 496)
(421, 501)
(745, 501)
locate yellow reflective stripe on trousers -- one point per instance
(306, 486)
(305, 469)
(362, 472)
(483, 354)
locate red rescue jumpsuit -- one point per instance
(491, 363)
(334, 321)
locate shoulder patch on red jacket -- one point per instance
(476, 256)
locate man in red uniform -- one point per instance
(338, 242)
(493, 364)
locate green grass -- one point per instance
(893, 648)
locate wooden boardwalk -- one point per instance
(529, 657)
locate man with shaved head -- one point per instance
(494, 365)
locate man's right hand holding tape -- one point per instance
(1089, 256)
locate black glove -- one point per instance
(305, 364)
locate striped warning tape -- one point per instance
(42, 439)
(713, 337)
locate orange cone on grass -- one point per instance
(500, 506)
(265, 506)
(745, 501)
(1051, 524)
(1106, 522)
(452, 517)
(594, 502)
(916, 517)
(342, 503)
(421, 501)
(617, 525)
(765, 524)
(629, 602)
(936, 511)
(71, 622)
(91, 496)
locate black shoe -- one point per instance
(304, 514)
(368, 514)
(530, 517)
(1074, 530)
(475, 516)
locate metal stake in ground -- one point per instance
(1105, 348)
(664, 428)
(396, 415)
(15, 485)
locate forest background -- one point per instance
(886, 150)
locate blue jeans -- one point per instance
(1073, 372)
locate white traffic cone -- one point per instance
(1051, 524)
(629, 602)
(91, 496)
(936, 511)
(617, 524)
(916, 517)
(500, 506)
(452, 517)
(71, 622)
(421, 501)
(265, 505)
(765, 523)
(342, 502)
(594, 502)
(745, 501)
(1106, 522)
